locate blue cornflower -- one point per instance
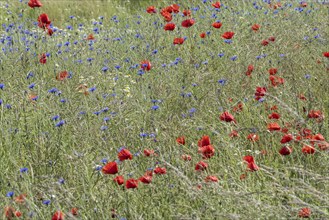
(104, 160)
(106, 119)
(92, 89)
(98, 167)
(117, 67)
(222, 81)
(221, 54)
(2, 86)
(8, 106)
(53, 90)
(55, 118)
(46, 202)
(60, 123)
(29, 75)
(63, 100)
(106, 109)
(121, 148)
(97, 112)
(10, 194)
(192, 110)
(307, 76)
(155, 107)
(23, 170)
(61, 181)
(143, 135)
(103, 128)
(261, 100)
(228, 41)
(31, 86)
(234, 58)
(1, 101)
(105, 68)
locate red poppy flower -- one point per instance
(160, 170)
(146, 179)
(238, 107)
(272, 71)
(186, 157)
(200, 166)
(307, 149)
(17, 214)
(90, 37)
(286, 138)
(304, 213)
(250, 70)
(9, 212)
(255, 27)
(146, 65)
(62, 76)
(271, 39)
(216, 5)
(228, 35)
(274, 115)
(234, 133)
(243, 176)
(119, 180)
(303, 4)
(265, 42)
(323, 145)
(315, 114)
(326, 54)
(260, 91)
(151, 10)
(49, 31)
(207, 151)
(251, 163)
(169, 27)
(285, 150)
(20, 199)
(227, 117)
(175, 8)
(148, 153)
(318, 137)
(34, 4)
(187, 13)
(125, 154)
(204, 141)
(43, 58)
(181, 140)
(110, 168)
(168, 9)
(302, 97)
(211, 179)
(276, 80)
(131, 183)
(43, 21)
(273, 127)
(178, 40)
(166, 15)
(58, 215)
(188, 23)
(253, 137)
(217, 24)
(74, 211)
(203, 35)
